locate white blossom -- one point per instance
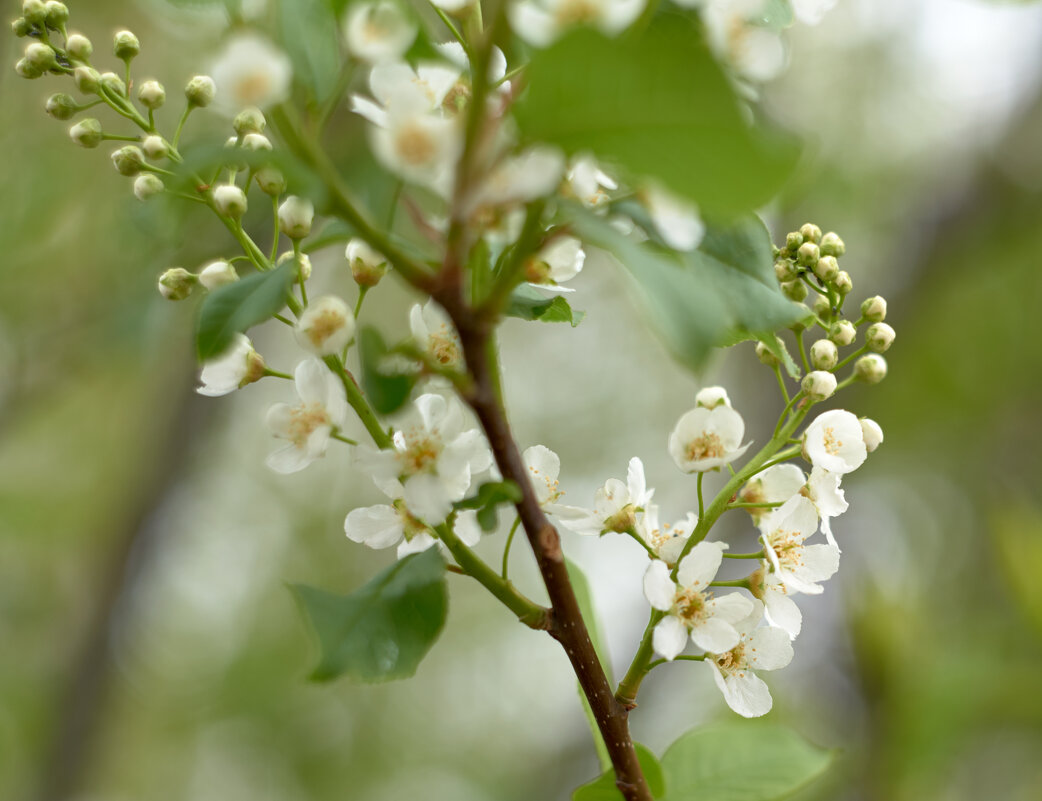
(326, 326)
(778, 608)
(544, 469)
(776, 484)
(754, 52)
(800, 567)
(250, 71)
(540, 22)
(615, 505)
(692, 610)
(666, 541)
(434, 334)
(764, 648)
(379, 31)
(835, 441)
(555, 263)
(675, 218)
(587, 182)
(704, 439)
(307, 426)
(241, 365)
(218, 273)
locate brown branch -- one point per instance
(567, 625)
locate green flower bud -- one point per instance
(879, 337)
(818, 385)
(154, 147)
(821, 306)
(147, 185)
(832, 245)
(151, 94)
(303, 263)
(57, 14)
(810, 233)
(218, 273)
(843, 333)
(40, 55)
(271, 181)
(21, 27)
(87, 79)
(26, 69)
(87, 133)
(114, 83)
(808, 254)
(793, 240)
(125, 45)
(61, 106)
(79, 47)
(34, 11)
(295, 216)
(824, 354)
(200, 91)
(785, 270)
(176, 283)
(870, 368)
(795, 290)
(874, 309)
(249, 120)
(368, 266)
(763, 353)
(256, 143)
(843, 282)
(230, 201)
(827, 268)
(128, 160)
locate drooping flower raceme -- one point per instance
(432, 461)
(758, 648)
(307, 426)
(705, 439)
(250, 71)
(835, 441)
(800, 567)
(615, 505)
(692, 610)
(241, 365)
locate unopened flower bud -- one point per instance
(87, 133)
(795, 290)
(808, 254)
(271, 181)
(200, 91)
(874, 309)
(832, 245)
(79, 47)
(230, 200)
(785, 270)
(303, 262)
(57, 14)
(256, 142)
(821, 306)
(147, 185)
(250, 120)
(128, 160)
(218, 273)
(810, 233)
(793, 240)
(125, 45)
(26, 69)
(114, 83)
(879, 337)
(843, 282)
(62, 106)
(87, 79)
(151, 94)
(34, 11)
(176, 283)
(326, 326)
(872, 433)
(824, 354)
(818, 385)
(843, 333)
(40, 56)
(827, 268)
(711, 397)
(295, 216)
(21, 27)
(763, 353)
(870, 368)
(154, 147)
(367, 265)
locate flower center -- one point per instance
(707, 446)
(553, 486)
(788, 546)
(444, 347)
(414, 145)
(253, 88)
(623, 520)
(690, 606)
(420, 453)
(411, 526)
(734, 660)
(304, 420)
(832, 445)
(323, 325)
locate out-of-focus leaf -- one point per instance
(231, 309)
(382, 631)
(489, 497)
(741, 762)
(603, 787)
(697, 300)
(1018, 540)
(309, 32)
(528, 303)
(387, 391)
(656, 103)
(772, 342)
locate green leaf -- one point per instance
(233, 308)
(387, 391)
(657, 104)
(382, 631)
(603, 787)
(741, 762)
(311, 36)
(697, 300)
(528, 303)
(489, 497)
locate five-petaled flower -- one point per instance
(800, 567)
(615, 505)
(705, 439)
(308, 426)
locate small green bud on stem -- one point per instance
(824, 354)
(810, 233)
(832, 245)
(249, 120)
(843, 333)
(147, 185)
(125, 45)
(176, 283)
(870, 368)
(151, 94)
(200, 91)
(879, 337)
(128, 160)
(795, 290)
(79, 47)
(62, 106)
(874, 309)
(87, 133)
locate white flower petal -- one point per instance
(745, 692)
(669, 637)
(659, 588)
(376, 526)
(768, 648)
(420, 542)
(714, 635)
(700, 565)
(467, 527)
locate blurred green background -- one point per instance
(152, 652)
